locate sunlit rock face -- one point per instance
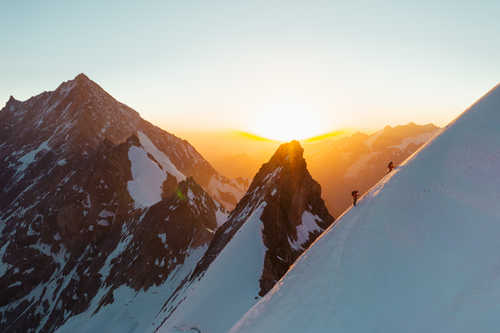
(278, 218)
(95, 204)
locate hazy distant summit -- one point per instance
(358, 161)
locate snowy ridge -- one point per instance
(226, 282)
(418, 254)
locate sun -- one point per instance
(286, 122)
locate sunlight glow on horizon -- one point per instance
(287, 121)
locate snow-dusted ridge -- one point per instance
(419, 252)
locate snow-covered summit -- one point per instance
(418, 254)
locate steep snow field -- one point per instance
(132, 311)
(229, 287)
(420, 253)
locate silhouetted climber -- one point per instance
(390, 166)
(355, 195)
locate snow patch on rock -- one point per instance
(145, 188)
(308, 226)
(163, 159)
(30, 157)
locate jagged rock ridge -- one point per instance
(280, 215)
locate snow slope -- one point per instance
(420, 253)
(232, 279)
(132, 311)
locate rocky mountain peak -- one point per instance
(288, 156)
(12, 99)
(281, 214)
(81, 77)
(288, 153)
(285, 191)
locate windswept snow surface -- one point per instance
(229, 287)
(420, 253)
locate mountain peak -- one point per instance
(288, 153)
(82, 80)
(281, 214)
(81, 77)
(293, 147)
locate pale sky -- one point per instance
(260, 65)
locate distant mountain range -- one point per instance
(358, 161)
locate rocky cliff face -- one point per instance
(280, 215)
(95, 204)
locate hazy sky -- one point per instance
(260, 65)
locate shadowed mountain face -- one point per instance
(357, 162)
(96, 203)
(65, 127)
(279, 217)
